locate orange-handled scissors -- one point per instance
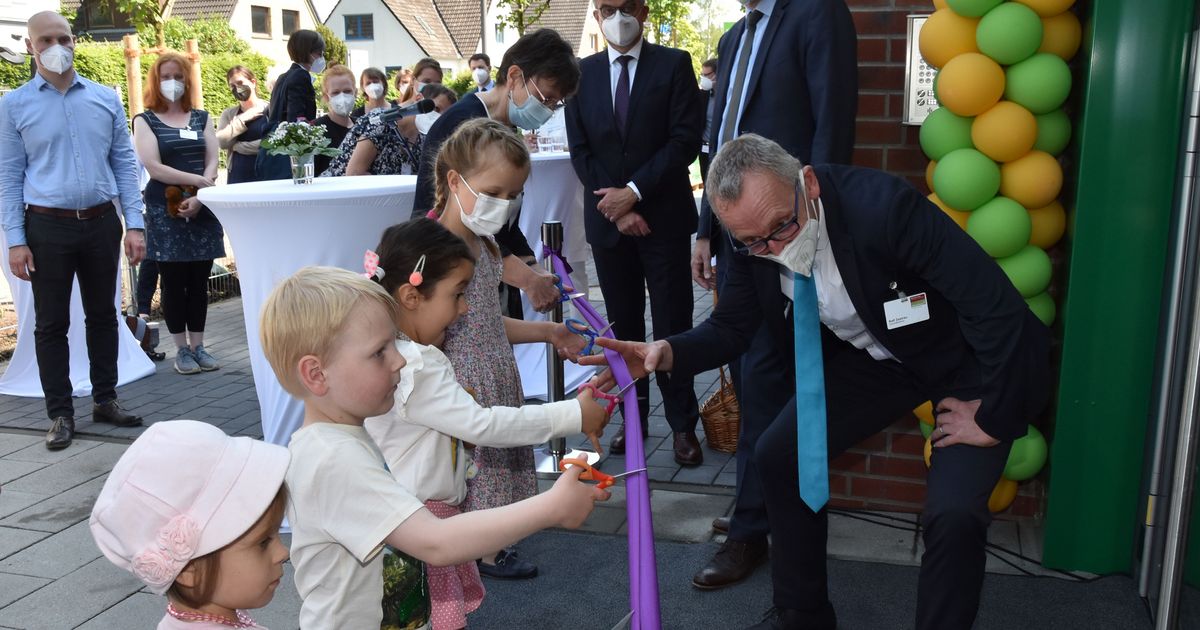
(591, 474)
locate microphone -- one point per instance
(422, 106)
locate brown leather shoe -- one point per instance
(617, 445)
(687, 449)
(62, 431)
(721, 524)
(112, 413)
(733, 562)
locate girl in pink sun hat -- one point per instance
(195, 515)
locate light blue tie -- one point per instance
(811, 449)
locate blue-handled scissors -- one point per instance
(585, 331)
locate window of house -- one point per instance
(260, 20)
(499, 33)
(291, 22)
(424, 25)
(360, 26)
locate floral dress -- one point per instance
(483, 360)
(395, 154)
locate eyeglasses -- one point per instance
(628, 10)
(784, 232)
(542, 97)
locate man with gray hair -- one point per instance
(885, 303)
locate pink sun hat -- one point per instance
(184, 489)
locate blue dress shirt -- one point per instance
(69, 151)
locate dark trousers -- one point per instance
(661, 265)
(862, 397)
(185, 294)
(64, 249)
(147, 282)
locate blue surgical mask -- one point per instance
(531, 115)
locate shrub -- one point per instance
(460, 82)
(335, 48)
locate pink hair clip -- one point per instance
(416, 278)
(371, 268)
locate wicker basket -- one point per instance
(721, 417)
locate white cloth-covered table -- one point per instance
(277, 227)
(553, 193)
(21, 377)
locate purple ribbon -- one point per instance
(643, 571)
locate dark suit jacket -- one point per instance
(981, 340)
(293, 96)
(654, 151)
(803, 88)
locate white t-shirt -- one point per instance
(417, 436)
(342, 504)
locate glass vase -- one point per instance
(302, 168)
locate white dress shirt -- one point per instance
(833, 301)
(614, 74)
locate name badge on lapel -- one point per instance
(188, 134)
(906, 311)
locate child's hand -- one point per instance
(594, 418)
(573, 499)
(568, 344)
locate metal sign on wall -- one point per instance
(918, 77)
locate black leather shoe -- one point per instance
(721, 524)
(733, 562)
(687, 449)
(62, 431)
(508, 567)
(112, 413)
(617, 445)
(789, 619)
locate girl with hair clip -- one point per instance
(427, 269)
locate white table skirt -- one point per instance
(553, 193)
(276, 228)
(21, 377)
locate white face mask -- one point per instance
(706, 83)
(341, 104)
(621, 30)
(374, 90)
(481, 76)
(318, 66)
(489, 215)
(57, 58)
(798, 255)
(171, 89)
(420, 86)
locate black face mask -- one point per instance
(241, 92)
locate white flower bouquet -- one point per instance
(296, 139)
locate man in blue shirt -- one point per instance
(67, 156)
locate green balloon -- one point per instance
(1027, 456)
(1040, 84)
(926, 429)
(944, 131)
(1000, 226)
(972, 8)
(1028, 269)
(1009, 33)
(1043, 306)
(965, 179)
(1053, 132)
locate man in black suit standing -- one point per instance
(634, 128)
(787, 71)
(910, 309)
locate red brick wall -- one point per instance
(886, 472)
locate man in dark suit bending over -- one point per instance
(634, 128)
(904, 307)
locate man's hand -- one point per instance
(615, 202)
(956, 424)
(20, 261)
(702, 271)
(633, 224)
(641, 358)
(189, 208)
(542, 291)
(135, 246)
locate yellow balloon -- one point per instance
(1002, 496)
(924, 412)
(929, 173)
(928, 452)
(1004, 132)
(939, 4)
(1032, 180)
(970, 84)
(1047, 8)
(959, 216)
(1049, 223)
(1061, 35)
(945, 35)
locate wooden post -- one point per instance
(193, 53)
(133, 74)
